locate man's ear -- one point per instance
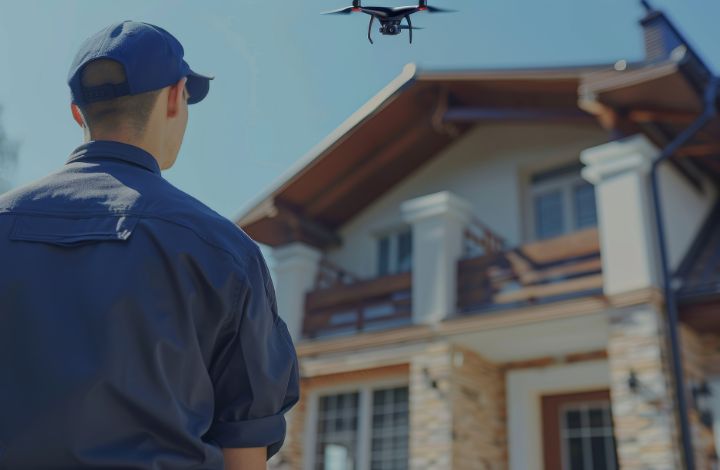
(176, 97)
(77, 115)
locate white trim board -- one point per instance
(525, 388)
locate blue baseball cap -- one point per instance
(152, 59)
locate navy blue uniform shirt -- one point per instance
(138, 328)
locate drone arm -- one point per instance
(372, 18)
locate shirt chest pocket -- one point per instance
(72, 231)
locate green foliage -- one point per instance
(8, 159)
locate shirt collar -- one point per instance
(98, 149)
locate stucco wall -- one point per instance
(488, 167)
(684, 210)
(525, 387)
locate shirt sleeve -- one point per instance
(255, 373)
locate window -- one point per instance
(578, 431)
(395, 252)
(389, 450)
(365, 429)
(587, 437)
(337, 431)
(561, 202)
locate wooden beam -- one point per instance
(364, 169)
(475, 114)
(357, 292)
(299, 227)
(545, 361)
(528, 275)
(534, 363)
(700, 150)
(540, 291)
(656, 115)
(581, 243)
(597, 355)
(361, 375)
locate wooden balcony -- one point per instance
(543, 271)
(374, 304)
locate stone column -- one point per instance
(644, 418)
(438, 221)
(646, 429)
(479, 413)
(696, 354)
(431, 440)
(295, 268)
(457, 410)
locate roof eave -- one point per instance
(259, 207)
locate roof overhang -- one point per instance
(404, 126)
(659, 97)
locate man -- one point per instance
(138, 328)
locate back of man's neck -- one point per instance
(137, 142)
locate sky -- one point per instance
(286, 76)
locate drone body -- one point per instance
(390, 18)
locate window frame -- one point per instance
(393, 235)
(551, 406)
(364, 433)
(566, 184)
(582, 406)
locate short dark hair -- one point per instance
(131, 111)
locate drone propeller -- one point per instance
(409, 27)
(431, 9)
(340, 11)
(372, 18)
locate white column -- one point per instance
(295, 268)
(620, 172)
(438, 221)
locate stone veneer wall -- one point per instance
(479, 413)
(457, 411)
(644, 422)
(698, 354)
(430, 409)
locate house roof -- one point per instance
(405, 125)
(662, 97)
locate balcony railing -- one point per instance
(553, 269)
(365, 305)
(479, 239)
(491, 277)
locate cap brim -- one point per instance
(198, 86)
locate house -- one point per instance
(470, 269)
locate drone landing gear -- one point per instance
(372, 18)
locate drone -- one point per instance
(390, 17)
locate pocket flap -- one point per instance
(72, 231)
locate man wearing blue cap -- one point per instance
(138, 328)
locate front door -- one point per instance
(578, 431)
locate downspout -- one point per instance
(671, 307)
